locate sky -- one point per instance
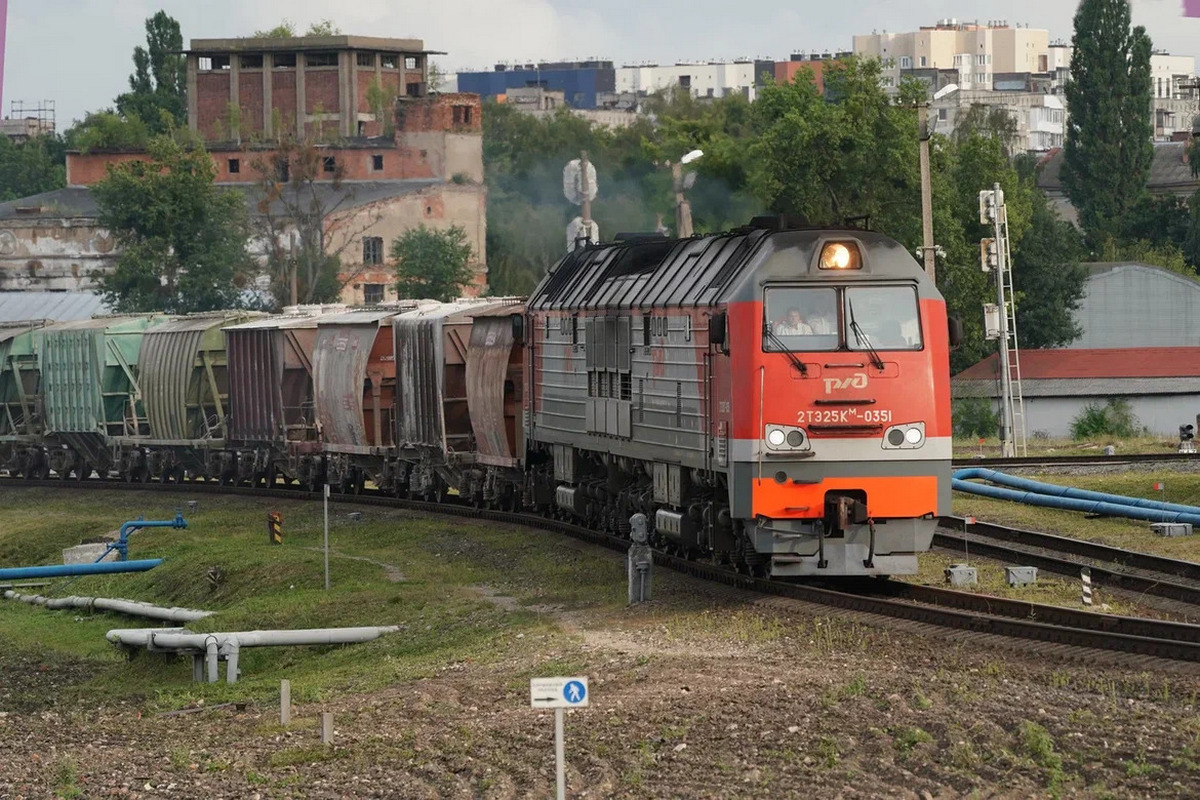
(78, 53)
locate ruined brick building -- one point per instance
(395, 157)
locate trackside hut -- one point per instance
(1161, 385)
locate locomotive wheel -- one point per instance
(83, 472)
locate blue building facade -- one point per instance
(582, 82)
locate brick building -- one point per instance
(314, 85)
(424, 165)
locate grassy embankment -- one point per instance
(439, 604)
(967, 447)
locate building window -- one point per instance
(942, 114)
(905, 62)
(685, 81)
(388, 60)
(462, 115)
(284, 60)
(372, 293)
(235, 166)
(283, 170)
(412, 89)
(329, 164)
(377, 162)
(980, 60)
(365, 59)
(321, 60)
(372, 249)
(924, 61)
(410, 62)
(251, 62)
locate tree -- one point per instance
(994, 121)
(1108, 147)
(284, 30)
(29, 168)
(1048, 278)
(107, 130)
(432, 264)
(182, 240)
(324, 27)
(158, 86)
(303, 218)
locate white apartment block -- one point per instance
(1041, 118)
(702, 79)
(977, 51)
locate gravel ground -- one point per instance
(749, 699)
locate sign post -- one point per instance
(559, 693)
(327, 537)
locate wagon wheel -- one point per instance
(82, 472)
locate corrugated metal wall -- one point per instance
(1131, 305)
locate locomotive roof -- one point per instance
(466, 307)
(706, 270)
(200, 322)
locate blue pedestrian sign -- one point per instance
(558, 692)
(574, 692)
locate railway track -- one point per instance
(1046, 629)
(1129, 571)
(1099, 459)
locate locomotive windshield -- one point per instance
(827, 318)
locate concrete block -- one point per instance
(87, 553)
(962, 575)
(1172, 528)
(1020, 576)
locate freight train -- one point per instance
(776, 398)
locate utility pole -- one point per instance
(928, 251)
(683, 209)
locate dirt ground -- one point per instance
(752, 698)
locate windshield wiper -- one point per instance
(779, 346)
(860, 336)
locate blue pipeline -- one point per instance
(121, 545)
(1038, 487)
(1123, 507)
(62, 570)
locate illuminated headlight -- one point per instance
(904, 437)
(840, 255)
(786, 438)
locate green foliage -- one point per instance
(323, 27)
(158, 86)
(107, 130)
(994, 122)
(1039, 746)
(29, 168)
(1108, 147)
(1167, 255)
(432, 264)
(284, 30)
(1048, 278)
(182, 239)
(382, 103)
(1114, 418)
(974, 416)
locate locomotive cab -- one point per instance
(850, 409)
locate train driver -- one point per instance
(793, 324)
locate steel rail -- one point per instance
(938, 607)
(1077, 460)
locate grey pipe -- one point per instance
(214, 646)
(134, 608)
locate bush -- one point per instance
(974, 416)
(1114, 418)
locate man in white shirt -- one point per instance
(793, 325)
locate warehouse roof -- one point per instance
(1170, 172)
(53, 306)
(1117, 362)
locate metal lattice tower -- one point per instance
(994, 212)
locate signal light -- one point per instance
(989, 255)
(1187, 433)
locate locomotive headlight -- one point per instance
(913, 436)
(907, 436)
(840, 255)
(776, 437)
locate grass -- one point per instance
(1181, 487)
(1038, 744)
(440, 610)
(966, 447)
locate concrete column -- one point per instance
(348, 73)
(235, 93)
(301, 104)
(193, 64)
(267, 71)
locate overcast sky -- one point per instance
(78, 52)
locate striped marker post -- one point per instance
(1086, 574)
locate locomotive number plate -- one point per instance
(842, 416)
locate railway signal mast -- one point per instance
(579, 186)
(1000, 321)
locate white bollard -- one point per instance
(1086, 574)
(327, 727)
(285, 702)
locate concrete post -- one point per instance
(285, 702)
(326, 727)
(930, 255)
